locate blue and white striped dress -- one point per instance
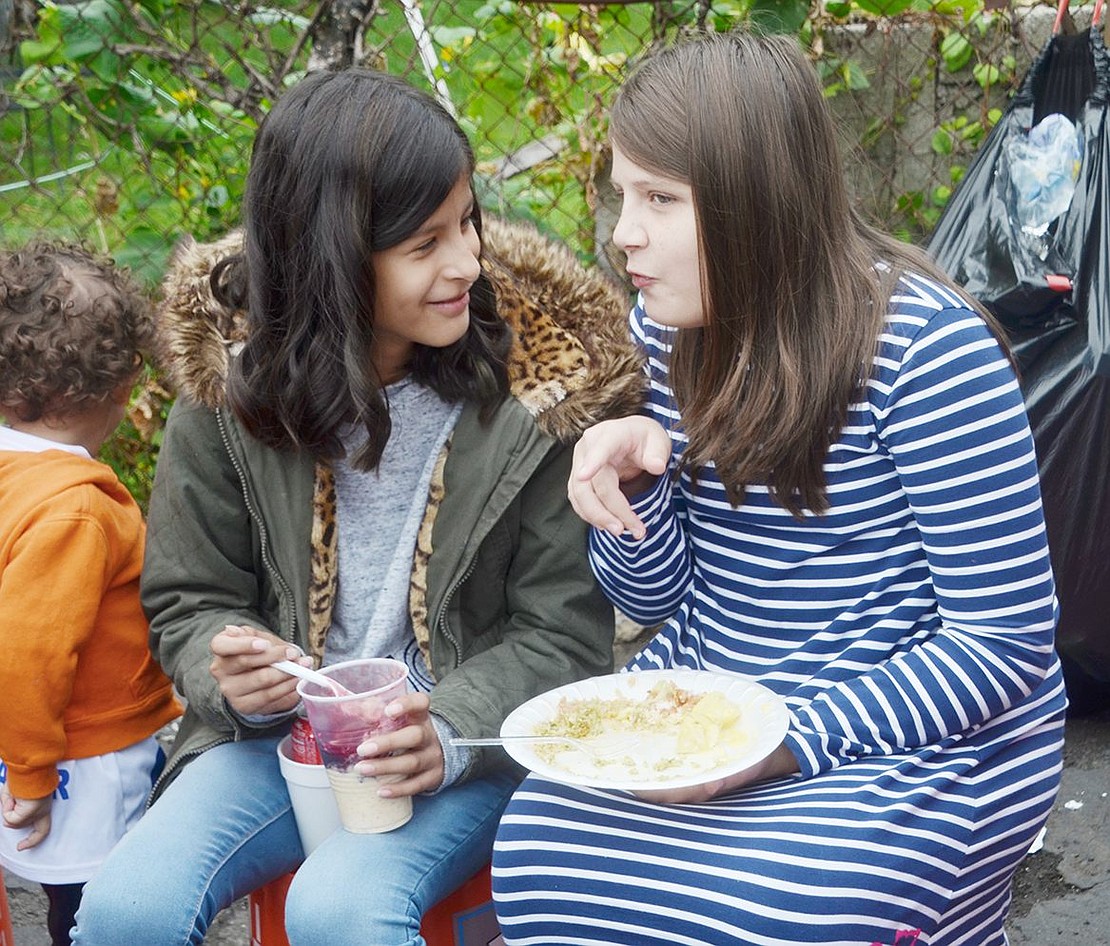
(910, 630)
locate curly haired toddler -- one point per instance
(82, 695)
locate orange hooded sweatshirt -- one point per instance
(76, 675)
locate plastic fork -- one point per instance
(600, 749)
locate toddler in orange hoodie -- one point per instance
(82, 696)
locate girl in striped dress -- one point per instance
(832, 490)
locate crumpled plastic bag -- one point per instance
(1043, 167)
(1056, 310)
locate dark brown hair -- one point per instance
(346, 164)
(793, 299)
(73, 328)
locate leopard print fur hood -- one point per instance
(572, 362)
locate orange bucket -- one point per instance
(464, 918)
(7, 936)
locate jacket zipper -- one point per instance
(442, 623)
(177, 764)
(278, 578)
(262, 533)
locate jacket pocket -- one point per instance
(482, 607)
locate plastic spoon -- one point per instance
(305, 673)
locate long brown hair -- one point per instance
(793, 300)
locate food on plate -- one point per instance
(666, 732)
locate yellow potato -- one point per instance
(702, 724)
(717, 707)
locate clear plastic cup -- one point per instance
(341, 723)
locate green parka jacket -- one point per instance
(502, 599)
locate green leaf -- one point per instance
(973, 132)
(167, 129)
(452, 35)
(986, 74)
(956, 51)
(47, 48)
(137, 96)
(106, 66)
(854, 76)
(217, 196)
(724, 15)
(909, 201)
(154, 9)
(91, 27)
(35, 51)
(838, 9)
(942, 142)
(778, 16)
(41, 83)
(951, 8)
(984, 20)
(884, 7)
(145, 253)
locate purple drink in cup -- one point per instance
(342, 723)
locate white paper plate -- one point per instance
(764, 714)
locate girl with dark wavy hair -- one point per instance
(364, 487)
(833, 491)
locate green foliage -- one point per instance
(960, 26)
(160, 144)
(778, 16)
(841, 75)
(956, 51)
(132, 450)
(884, 8)
(150, 108)
(136, 117)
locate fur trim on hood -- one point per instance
(572, 363)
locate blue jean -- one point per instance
(225, 827)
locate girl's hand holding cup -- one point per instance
(412, 752)
(378, 718)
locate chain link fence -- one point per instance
(128, 123)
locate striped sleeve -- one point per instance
(948, 410)
(647, 580)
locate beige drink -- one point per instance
(361, 809)
(341, 723)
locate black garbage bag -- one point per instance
(1051, 291)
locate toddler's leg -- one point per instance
(374, 888)
(62, 903)
(221, 829)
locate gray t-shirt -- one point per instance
(378, 516)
